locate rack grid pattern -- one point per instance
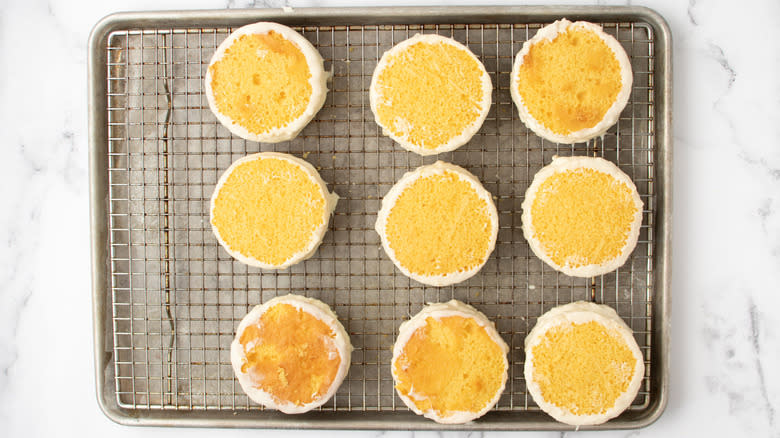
(177, 297)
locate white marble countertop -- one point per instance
(726, 251)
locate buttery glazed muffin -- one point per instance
(449, 363)
(291, 354)
(438, 224)
(265, 82)
(582, 364)
(430, 94)
(571, 81)
(582, 216)
(271, 210)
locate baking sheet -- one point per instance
(167, 298)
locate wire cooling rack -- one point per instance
(176, 297)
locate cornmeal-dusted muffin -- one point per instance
(449, 363)
(265, 82)
(290, 354)
(430, 94)
(438, 224)
(582, 364)
(582, 216)
(271, 210)
(571, 81)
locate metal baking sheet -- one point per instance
(167, 298)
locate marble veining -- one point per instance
(726, 244)
(754, 341)
(691, 16)
(717, 53)
(234, 4)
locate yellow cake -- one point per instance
(438, 224)
(571, 81)
(430, 94)
(582, 216)
(290, 354)
(265, 82)
(271, 210)
(449, 363)
(582, 364)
